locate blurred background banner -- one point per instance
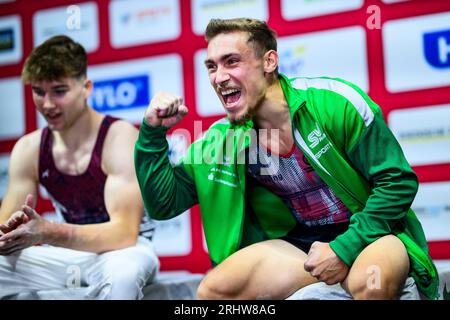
(398, 51)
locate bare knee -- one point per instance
(380, 271)
(208, 290)
(218, 286)
(382, 290)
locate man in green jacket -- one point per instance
(301, 182)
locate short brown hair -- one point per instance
(58, 57)
(260, 35)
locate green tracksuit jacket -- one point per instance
(342, 133)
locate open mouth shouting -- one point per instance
(230, 97)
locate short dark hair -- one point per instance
(58, 57)
(260, 36)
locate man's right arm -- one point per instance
(22, 175)
(167, 191)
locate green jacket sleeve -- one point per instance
(167, 191)
(380, 160)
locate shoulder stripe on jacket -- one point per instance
(340, 88)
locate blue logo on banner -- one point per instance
(6, 39)
(121, 93)
(437, 48)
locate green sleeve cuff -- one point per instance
(348, 246)
(150, 136)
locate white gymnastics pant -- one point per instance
(119, 274)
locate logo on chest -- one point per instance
(45, 174)
(316, 136)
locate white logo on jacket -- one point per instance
(316, 136)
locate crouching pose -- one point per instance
(301, 182)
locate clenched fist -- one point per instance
(323, 264)
(165, 109)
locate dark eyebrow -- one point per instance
(208, 61)
(225, 57)
(60, 86)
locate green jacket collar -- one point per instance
(294, 97)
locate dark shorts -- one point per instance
(303, 236)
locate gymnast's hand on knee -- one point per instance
(18, 218)
(323, 264)
(24, 229)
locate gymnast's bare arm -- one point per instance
(23, 178)
(122, 199)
